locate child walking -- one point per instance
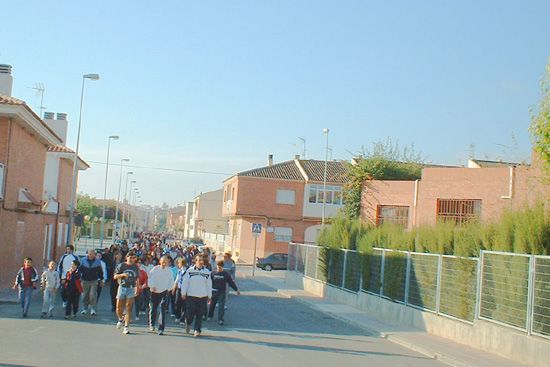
(26, 280)
(50, 282)
(73, 289)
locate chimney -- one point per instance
(58, 125)
(270, 160)
(297, 157)
(6, 80)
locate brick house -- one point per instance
(35, 183)
(482, 190)
(286, 198)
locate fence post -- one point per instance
(296, 257)
(358, 254)
(382, 269)
(289, 255)
(530, 295)
(438, 285)
(407, 277)
(480, 263)
(317, 264)
(344, 274)
(305, 261)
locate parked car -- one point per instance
(273, 262)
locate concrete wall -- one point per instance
(487, 336)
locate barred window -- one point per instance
(458, 210)
(398, 215)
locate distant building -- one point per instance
(286, 198)
(175, 221)
(209, 223)
(483, 190)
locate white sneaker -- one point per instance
(126, 330)
(151, 328)
(119, 324)
(137, 318)
(197, 333)
(92, 312)
(84, 312)
(64, 304)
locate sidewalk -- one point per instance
(444, 350)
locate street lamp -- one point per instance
(131, 226)
(128, 199)
(72, 203)
(125, 204)
(102, 235)
(325, 131)
(118, 197)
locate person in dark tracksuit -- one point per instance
(220, 280)
(72, 289)
(196, 291)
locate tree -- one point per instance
(540, 122)
(386, 161)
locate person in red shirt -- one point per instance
(26, 280)
(73, 289)
(143, 278)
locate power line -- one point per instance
(169, 169)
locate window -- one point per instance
(283, 234)
(286, 197)
(458, 210)
(334, 194)
(398, 215)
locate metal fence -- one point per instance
(509, 289)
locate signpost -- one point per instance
(256, 230)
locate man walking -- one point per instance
(91, 274)
(64, 266)
(99, 257)
(160, 281)
(196, 290)
(127, 275)
(220, 280)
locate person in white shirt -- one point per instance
(50, 282)
(160, 282)
(196, 290)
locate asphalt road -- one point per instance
(262, 329)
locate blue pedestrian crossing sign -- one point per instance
(256, 228)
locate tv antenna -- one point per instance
(303, 140)
(39, 88)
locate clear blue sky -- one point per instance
(218, 85)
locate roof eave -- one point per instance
(23, 114)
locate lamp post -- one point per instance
(131, 225)
(125, 204)
(325, 131)
(102, 236)
(118, 196)
(72, 203)
(128, 200)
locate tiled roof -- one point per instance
(63, 149)
(289, 170)
(60, 149)
(17, 102)
(285, 170)
(10, 100)
(315, 170)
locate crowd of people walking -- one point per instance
(151, 277)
